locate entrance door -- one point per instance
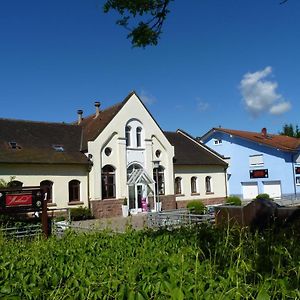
(135, 197)
(250, 190)
(273, 188)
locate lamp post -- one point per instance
(156, 164)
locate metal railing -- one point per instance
(176, 218)
(21, 231)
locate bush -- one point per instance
(234, 200)
(196, 207)
(263, 197)
(80, 213)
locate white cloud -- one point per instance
(202, 106)
(260, 95)
(280, 108)
(147, 98)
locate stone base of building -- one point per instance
(106, 208)
(211, 201)
(168, 202)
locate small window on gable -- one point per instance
(14, 145)
(138, 137)
(256, 160)
(217, 142)
(58, 148)
(127, 135)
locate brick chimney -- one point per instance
(79, 114)
(97, 105)
(264, 132)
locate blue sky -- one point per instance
(233, 63)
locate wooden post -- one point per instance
(45, 217)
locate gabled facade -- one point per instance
(258, 162)
(117, 155)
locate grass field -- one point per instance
(189, 263)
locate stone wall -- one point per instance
(168, 202)
(106, 208)
(211, 201)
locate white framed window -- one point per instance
(256, 160)
(208, 184)
(194, 185)
(127, 135)
(297, 180)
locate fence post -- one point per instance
(45, 217)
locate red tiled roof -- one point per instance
(92, 126)
(277, 141)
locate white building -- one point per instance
(115, 154)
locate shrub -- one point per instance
(234, 200)
(264, 197)
(196, 207)
(80, 213)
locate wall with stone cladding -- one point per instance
(106, 208)
(168, 202)
(212, 201)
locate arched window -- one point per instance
(194, 185)
(208, 184)
(15, 184)
(108, 182)
(159, 178)
(139, 137)
(178, 186)
(74, 191)
(46, 186)
(127, 135)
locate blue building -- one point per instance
(258, 162)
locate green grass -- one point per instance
(189, 263)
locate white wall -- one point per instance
(218, 180)
(114, 137)
(60, 175)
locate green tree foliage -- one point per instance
(290, 130)
(143, 18)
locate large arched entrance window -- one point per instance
(108, 182)
(159, 178)
(46, 187)
(74, 191)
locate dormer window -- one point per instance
(58, 148)
(14, 145)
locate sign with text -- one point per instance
(21, 199)
(13, 200)
(262, 173)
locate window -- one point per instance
(157, 153)
(107, 151)
(217, 142)
(298, 180)
(15, 184)
(58, 148)
(14, 145)
(177, 185)
(108, 182)
(194, 185)
(256, 160)
(46, 187)
(208, 186)
(138, 136)
(127, 135)
(159, 178)
(74, 191)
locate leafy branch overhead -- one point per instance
(143, 18)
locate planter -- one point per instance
(125, 210)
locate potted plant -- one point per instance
(125, 208)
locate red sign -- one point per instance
(263, 173)
(13, 200)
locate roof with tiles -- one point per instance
(277, 141)
(189, 151)
(93, 125)
(40, 142)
